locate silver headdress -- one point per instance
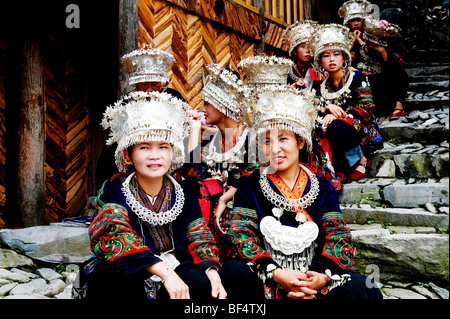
(261, 71)
(354, 9)
(330, 37)
(148, 65)
(221, 90)
(380, 31)
(282, 108)
(148, 117)
(299, 32)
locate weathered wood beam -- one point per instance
(128, 38)
(260, 5)
(31, 134)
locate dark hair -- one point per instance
(234, 72)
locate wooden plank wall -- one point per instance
(197, 36)
(67, 142)
(2, 126)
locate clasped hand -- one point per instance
(300, 286)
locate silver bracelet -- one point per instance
(336, 280)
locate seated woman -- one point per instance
(221, 159)
(302, 74)
(384, 68)
(372, 56)
(286, 222)
(148, 70)
(346, 103)
(149, 237)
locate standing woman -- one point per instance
(286, 223)
(297, 35)
(149, 237)
(346, 103)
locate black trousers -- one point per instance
(108, 280)
(242, 284)
(342, 137)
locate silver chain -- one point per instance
(290, 204)
(154, 218)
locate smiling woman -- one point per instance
(148, 236)
(286, 223)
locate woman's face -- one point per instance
(281, 148)
(355, 24)
(212, 115)
(303, 53)
(332, 60)
(149, 86)
(152, 159)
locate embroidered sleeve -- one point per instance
(201, 243)
(112, 236)
(338, 240)
(365, 104)
(243, 230)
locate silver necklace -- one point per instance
(147, 215)
(334, 95)
(292, 205)
(294, 76)
(234, 154)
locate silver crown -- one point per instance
(221, 90)
(354, 9)
(145, 117)
(148, 65)
(282, 108)
(261, 70)
(299, 32)
(330, 37)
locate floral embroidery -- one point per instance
(111, 234)
(201, 242)
(338, 245)
(244, 224)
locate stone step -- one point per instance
(429, 86)
(430, 126)
(402, 257)
(398, 193)
(402, 220)
(415, 160)
(427, 71)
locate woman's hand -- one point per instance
(337, 111)
(300, 84)
(328, 119)
(217, 289)
(174, 285)
(296, 284)
(357, 37)
(314, 281)
(222, 208)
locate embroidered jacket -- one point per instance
(358, 102)
(209, 189)
(118, 236)
(334, 248)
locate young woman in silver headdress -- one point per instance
(345, 102)
(148, 236)
(302, 74)
(286, 224)
(372, 56)
(221, 159)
